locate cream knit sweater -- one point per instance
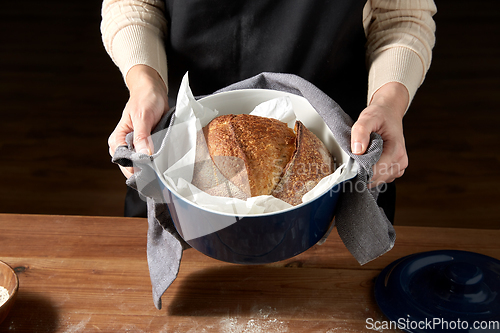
(400, 38)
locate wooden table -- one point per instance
(89, 274)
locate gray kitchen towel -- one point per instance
(360, 222)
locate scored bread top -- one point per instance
(311, 162)
(250, 151)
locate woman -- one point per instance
(369, 56)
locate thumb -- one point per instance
(360, 134)
(142, 138)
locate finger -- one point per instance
(127, 172)
(393, 173)
(117, 137)
(391, 165)
(360, 134)
(142, 136)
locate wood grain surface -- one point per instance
(90, 274)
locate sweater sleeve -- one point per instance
(132, 33)
(400, 37)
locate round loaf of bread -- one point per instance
(263, 156)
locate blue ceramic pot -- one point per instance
(263, 238)
(257, 239)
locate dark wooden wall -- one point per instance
(451, 128)
(61, 96)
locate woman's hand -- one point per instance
(384, 116)
(147, 103)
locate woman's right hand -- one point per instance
(147, 103)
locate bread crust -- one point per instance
(311, 162)
(250, 151)
(263, 156)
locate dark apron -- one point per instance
(221, 42)
(225, 41)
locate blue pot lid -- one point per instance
(441, 291)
